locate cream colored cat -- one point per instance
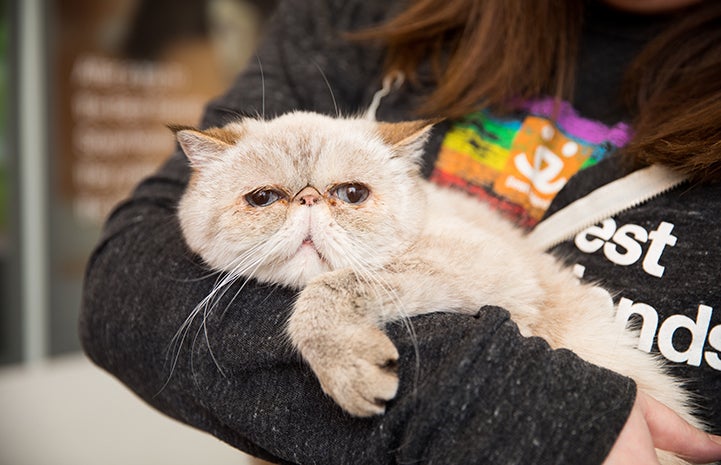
(338, 208)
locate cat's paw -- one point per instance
(359, 370)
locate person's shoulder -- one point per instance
(348, 14)
(376, 6)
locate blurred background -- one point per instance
(86, 88)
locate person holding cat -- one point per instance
(535, 126)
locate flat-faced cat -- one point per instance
(337, 207)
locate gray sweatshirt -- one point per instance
(475, 392)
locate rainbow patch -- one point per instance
(519, 164)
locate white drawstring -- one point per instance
(391, 82)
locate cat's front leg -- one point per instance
(335, 327)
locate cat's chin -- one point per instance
(305, 265)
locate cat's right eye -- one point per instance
(263, 197)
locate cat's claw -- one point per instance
(361, 377)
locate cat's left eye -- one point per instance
(353, 193)
(263, 197)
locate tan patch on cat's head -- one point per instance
(229, 134)
(201, 146)
(406, 132)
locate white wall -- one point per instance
(69, 412)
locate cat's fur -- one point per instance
(408, 248)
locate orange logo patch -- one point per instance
(540, 162)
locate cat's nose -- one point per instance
(308, 196)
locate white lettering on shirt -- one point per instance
(623, 245)
(698, 329)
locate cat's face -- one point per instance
(287, 199)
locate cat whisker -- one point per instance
(204, 326)
(330, 90)
(212, 355)
(244, 270)
(210, 273)
(206, 306)
(176, 345)
(262, 85)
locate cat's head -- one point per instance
(286, 199)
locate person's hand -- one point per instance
(653, 425)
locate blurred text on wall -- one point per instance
(111, 75)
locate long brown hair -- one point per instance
(676, 85)
(489, 53)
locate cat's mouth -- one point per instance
(309, 244)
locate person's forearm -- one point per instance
(481, 386)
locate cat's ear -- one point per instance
(407, 137)
(203, 146)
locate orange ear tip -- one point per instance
(435, 120)
(176, 128)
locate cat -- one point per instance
(337, 208)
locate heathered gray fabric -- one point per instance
(675, 304)
(483, 393)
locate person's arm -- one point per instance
(483, 394)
